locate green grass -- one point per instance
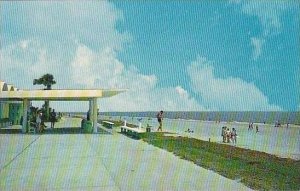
(256, 170)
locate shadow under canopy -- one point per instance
(64, 130)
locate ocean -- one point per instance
(228, 116)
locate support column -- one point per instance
(91, 109)
(25, 117)
(94, 114)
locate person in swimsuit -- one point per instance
(233, 135)
(159, 119)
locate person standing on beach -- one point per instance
(233, 136)
(256, 128)
(159, 117)
(52, 118)
(223, 134)
(228, 136)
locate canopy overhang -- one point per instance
(58, 95)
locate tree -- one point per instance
(46, 80)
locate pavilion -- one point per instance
(9, 93)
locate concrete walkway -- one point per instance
(98, 162)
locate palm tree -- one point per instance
(46, 80)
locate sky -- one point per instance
(227, 55)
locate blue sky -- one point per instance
(179, 55)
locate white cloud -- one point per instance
(92, 23)
(26, 60)
(267, 12)
(226, 93)
(75, 63)
(24, 44)
(257, 45)
(90, 68)
(93, 69)
(63, 44)
(50, 37)
(104, 70)
(168, 99)
(269, 15)
(182, 92)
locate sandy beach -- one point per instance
(280, 141)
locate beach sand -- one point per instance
(280, 141)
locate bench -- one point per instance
(108, 124)
(105, 129)
(133, 131)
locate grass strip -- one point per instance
(257, 170)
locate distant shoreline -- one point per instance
(258, 117)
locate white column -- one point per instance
(90, 108)
(25, 109)
(94, 115)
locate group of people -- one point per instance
(228, 136)
(251, 127)
(39, 121)
(189, 131)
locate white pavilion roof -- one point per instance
(12, 93)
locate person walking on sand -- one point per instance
(256, 128)
(159, 117)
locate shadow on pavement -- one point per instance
(64, 130)
(10, 131)
(70, 130)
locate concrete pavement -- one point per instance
(98, 162)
